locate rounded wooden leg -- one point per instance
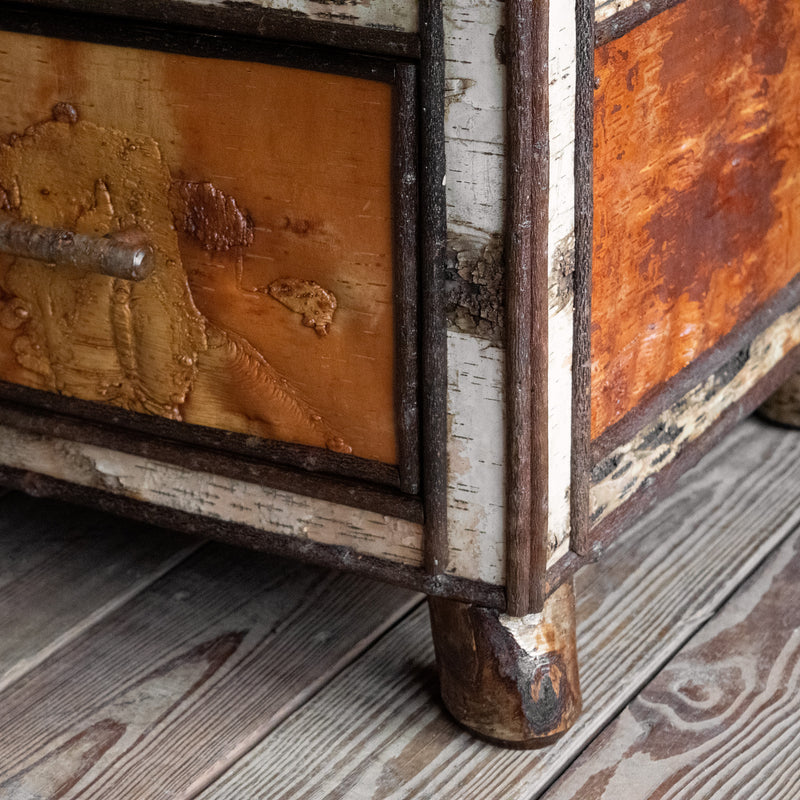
(784, 405)
(513, 680)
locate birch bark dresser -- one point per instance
(445, 292)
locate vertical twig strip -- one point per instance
(540, 269)
(433, 213)
(526, 345)
(519, 327)
(582, 277)
(405, 194)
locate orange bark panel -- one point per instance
(267, 194)
(696, 188)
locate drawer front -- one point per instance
(695, 185)
(695, 295)
(268, 193)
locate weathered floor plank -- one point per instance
(377, 731)
(160, 696)
(63, 568)
(721, 720)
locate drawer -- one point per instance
(277, 190)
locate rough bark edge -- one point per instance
(343, 558)
(627, 19)
(433, 212)
(582, 350)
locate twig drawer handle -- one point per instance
(119, 255)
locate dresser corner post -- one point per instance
(511, 680)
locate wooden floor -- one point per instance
(138, 664)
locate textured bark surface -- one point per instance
(607, 8)
(476, 438)
(476, 180)
(87, 335)
(267, 175)
(696, 190)
(387, 14)
(214, 496)
(512, 680)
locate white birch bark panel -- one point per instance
(213, 496)
(561, 255)
(622, 473)
(474, 116)
(474, 143)
(475, 455)
(400, 15)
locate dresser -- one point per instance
(443, 292)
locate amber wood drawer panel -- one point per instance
(697, 155)
(270, 195)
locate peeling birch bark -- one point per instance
(392, 14)
(475, 141)
(622, 473)
(561, 253)
(605, 9)
(475, 456)
(213, 496)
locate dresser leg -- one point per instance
(783, 406)
(513, 680)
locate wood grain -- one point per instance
(696, 163)
(44, 556)
(379, 732)
(159, 697)
(296, 163)
(721, 718)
